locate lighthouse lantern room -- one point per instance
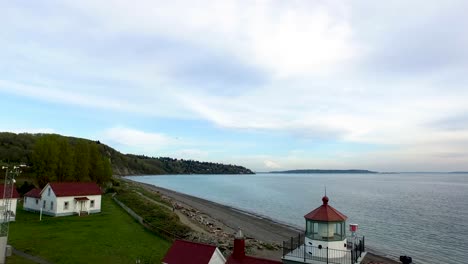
(326, 227)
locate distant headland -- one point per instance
(324, 171)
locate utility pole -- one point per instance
(5, 206)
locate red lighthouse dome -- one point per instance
(325, 213)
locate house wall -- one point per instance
(74, 206)
(217, 258)
(30, 204)
(48, 201)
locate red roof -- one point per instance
(326, 213)
(75, 188)
(15, 193)
(251, 260)
(183, 252)
(35, 193)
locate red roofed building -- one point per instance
(12, 202)
(65, 198)
(182, 252)
(32, 200)
(238, 255)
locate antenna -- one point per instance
(325, 190)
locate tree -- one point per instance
(81, 161)
(45, 159)
(66, 166)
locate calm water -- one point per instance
(424, 216)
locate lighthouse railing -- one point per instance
(293, 243)
(307, 253)
(295, 249)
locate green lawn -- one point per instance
(109, 237)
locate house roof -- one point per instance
(2, 189)
(182, 252)
(326, 213)
(75, 188)
(36, 193)
(251, 260)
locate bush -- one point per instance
(160, 219)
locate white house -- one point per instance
(32, 200)
(11, 203)
(65, 198)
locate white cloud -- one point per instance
(136, 139)
(287, 40)
(340, 70)
(271, 164)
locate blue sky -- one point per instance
(265, 84)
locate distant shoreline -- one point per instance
(311, 171)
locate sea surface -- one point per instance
(422, 215)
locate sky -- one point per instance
(270, 85)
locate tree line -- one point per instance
(52, 157)
(57, 158)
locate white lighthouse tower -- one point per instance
(324, 240)
(326, 228)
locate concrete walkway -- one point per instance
(30, 257)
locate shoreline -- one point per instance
(253, 225)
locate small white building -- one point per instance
(65, 198)
(32, 200)
(11, 203)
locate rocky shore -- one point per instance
(216, 224)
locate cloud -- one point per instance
(136, 139)
(286, 40)
(342, 71)
(271, 164)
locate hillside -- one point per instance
(19, 148)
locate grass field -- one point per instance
(109, 237)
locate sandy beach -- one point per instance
(230, 219)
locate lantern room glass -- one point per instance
(325, 231)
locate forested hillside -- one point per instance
(52, 157)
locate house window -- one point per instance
(92, 204)
(48, 192)
(65, 206)
(43, 204)
(37, 201)
(25, 199)
(51, 205)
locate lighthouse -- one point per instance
(324, 240)
(326, 227)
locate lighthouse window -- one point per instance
(309, 230)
